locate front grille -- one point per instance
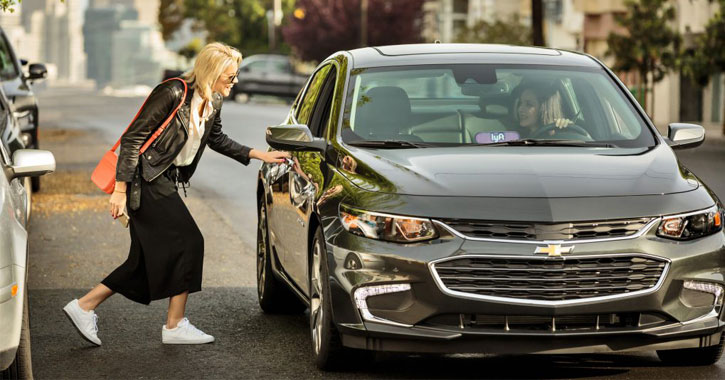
(534, 323)
(547, 231)
(548, 279)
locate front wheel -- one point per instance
(326, 344)
(693, 356)
(22, 367)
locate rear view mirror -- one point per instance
(295, 137)
(37, 71)
(683, 135)
(32, 163)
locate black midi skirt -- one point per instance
(167, 249)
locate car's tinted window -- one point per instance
(311, 95)
(257, 67)
(479, 104)
(279, 66)
(321, 115)
(7, 67)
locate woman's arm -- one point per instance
(223, 144)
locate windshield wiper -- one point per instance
(553, 142)
(388, 144)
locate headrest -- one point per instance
(382, 110)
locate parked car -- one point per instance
(418, 214)
(268, 74)
(19, 90)
(17, 165)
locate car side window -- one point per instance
(7, 67)
(313, 92)
(257, 67)
(321, 114)
(279, 67)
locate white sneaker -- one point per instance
(86, 322)
(184, 333)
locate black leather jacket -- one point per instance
(162, 152)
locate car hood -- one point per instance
(519, 172)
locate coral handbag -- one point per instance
(104, 175)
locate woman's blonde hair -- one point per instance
(209, 66)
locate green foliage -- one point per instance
(649, 46)
(7, 5)
(708, 53)
(511, 32)
(239, 23)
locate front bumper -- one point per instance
(429, 319)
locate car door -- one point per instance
(284, 217)
(306, 181)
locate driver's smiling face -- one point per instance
(528, 110)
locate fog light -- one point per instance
(361, 295)
(699, 294)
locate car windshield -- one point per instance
(484, 104)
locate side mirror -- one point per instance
(37, 71)
(32, 163)
(294, 138)
(683, 135)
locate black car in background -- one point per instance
(436, 201)
(268, 74)
(19, 91)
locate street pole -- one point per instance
(363, 23)
(537, 22)
(270, 30)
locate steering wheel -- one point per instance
(546, 129)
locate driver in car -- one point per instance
(539, 106)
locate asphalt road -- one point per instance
(74, 244)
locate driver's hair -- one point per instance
(550, 107)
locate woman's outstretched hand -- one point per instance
(274, 156)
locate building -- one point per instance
(50, 31)
(99, 29)
(443, 20)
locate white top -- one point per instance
(196, 130)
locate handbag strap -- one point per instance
(160, 130)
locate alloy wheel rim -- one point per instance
(261, 250)
(316, 301)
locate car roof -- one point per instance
(439, 53)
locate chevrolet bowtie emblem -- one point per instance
(554, 250)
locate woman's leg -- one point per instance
(94, 297)
(177, 307)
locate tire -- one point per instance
(327, 348)
(693, 356)
(274, 295)
(22, 367)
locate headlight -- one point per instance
(400, 229)
(692, 225)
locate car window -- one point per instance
(311, 94)
(321, 115)
(487, 103)
(279, 66)
(7, 66)
(257, 67)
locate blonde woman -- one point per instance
(167, 249)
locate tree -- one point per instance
(649, 46)
(171, 17)
(327, 26)
(239, 23)
(708, 53)
(511, 32)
